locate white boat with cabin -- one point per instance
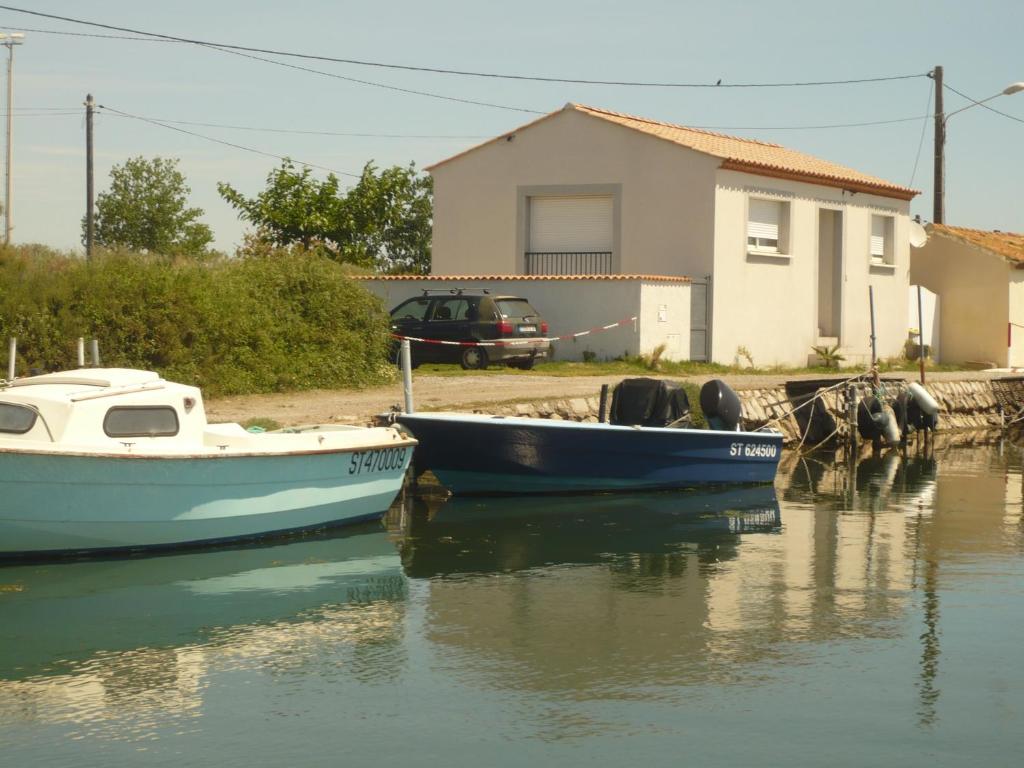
(101, 460)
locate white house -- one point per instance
(779, 248)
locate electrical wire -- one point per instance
(981, 104)
(920, 143)
(320, 133)
(336, 76)
(806, 127)
(459, 72)
(227, 49)
(151, 121)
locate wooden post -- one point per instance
(602, 408)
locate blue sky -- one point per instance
(978, 44)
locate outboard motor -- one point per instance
(721, 406)
(649, 403)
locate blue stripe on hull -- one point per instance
(77, 503)
(477, 454)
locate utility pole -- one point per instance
(10, 40)
(89, 104)
(939, 192)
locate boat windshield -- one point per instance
(16, 419)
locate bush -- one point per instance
(233, 326)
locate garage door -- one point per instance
(570, 235)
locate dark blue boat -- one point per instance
(647, 449)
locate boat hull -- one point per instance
(53, 504)
(474, 454)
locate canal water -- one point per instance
(867, 615)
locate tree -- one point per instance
(146, 209)
(383, 221)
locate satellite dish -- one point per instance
(918, 235)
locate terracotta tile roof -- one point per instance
(467, 278)
(747, 155)
(1009, 245)
(754, 156)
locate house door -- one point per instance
(699, 315)
(830, 273)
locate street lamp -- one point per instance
(10, 39)
(939, 192)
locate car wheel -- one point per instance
(474, 358)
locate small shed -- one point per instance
(979, 277)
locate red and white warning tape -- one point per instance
(517, 342)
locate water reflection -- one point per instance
(571, 618)
(467, 535)
(604, 597)
(119, 646)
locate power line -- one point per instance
(920, 143)
(982, 104)
(459, 72)
(805, 127)
(320, 133)
(224, 49)
(151, 121)
(428, 94)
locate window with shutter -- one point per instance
(881, 240)
(766, 225)
(570, 234)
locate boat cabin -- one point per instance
(100, 407)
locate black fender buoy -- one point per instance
(721, 405)
(871, 418)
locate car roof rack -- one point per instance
(453, 291)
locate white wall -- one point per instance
(972, 285)
(770, 304)
(929, 322)
(1016, 319)
(580, 304)
(664, 194)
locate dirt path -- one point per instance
(461, 392)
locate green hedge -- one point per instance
(232, 326)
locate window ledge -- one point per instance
(768, 255)
(887, 268)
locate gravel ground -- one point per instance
(466, 392)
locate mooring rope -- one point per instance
(818, 394)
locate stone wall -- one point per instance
(964, 405)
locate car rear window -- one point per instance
(516, 309)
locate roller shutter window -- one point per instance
(577, 224)
(881, 240)
(764, 224)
